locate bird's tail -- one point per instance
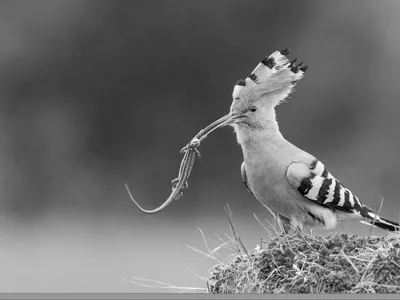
(375, 220)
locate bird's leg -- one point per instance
(285, 222)
(286, 228)
(310, 230)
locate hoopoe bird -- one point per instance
(291, 182)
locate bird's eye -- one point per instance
(253, 108)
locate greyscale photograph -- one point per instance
(154, 147)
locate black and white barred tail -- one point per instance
(381, 222)
(323, 189)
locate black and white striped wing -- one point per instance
(317, 184)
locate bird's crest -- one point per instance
(274, 74)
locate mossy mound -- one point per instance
(339, 263)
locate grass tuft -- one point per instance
(301, 263)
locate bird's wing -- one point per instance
(316, 184)
(244, 177)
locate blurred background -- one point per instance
(96, 94)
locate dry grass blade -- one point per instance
(273, 227)
(203, 253)
(199, 277)
(244, 249)
(229, 213)
(162, 285)
(228, 244)
(263, 226)
(276, 234)
(278, 220)
(211, 252)
(235, 234)
(233, 244)
(206, 243)
(349, 261)
(373, 223)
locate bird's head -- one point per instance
(255, 98)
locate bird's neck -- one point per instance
(265, 141)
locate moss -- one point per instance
(339, 263)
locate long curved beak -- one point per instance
(221, 122)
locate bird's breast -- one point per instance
(267, 180)
(266, 175)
